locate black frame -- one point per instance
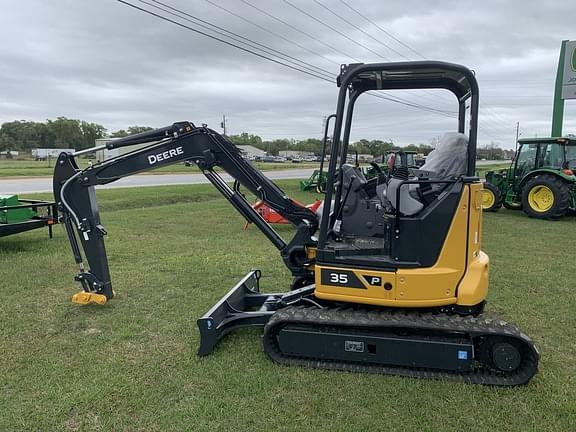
(33, 223)
(356, 79)
(319, 186)
(75, 195)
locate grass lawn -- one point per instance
(131, 365)
(31, 168)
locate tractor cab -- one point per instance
(545, 153)
(541, 179)
(400, 158)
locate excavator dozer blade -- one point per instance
(242, 306)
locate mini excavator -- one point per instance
(391, 279)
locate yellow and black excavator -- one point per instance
(391, 279)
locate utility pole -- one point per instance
(223, 123)
(517, 136)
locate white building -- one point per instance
(105, 154)
(363, 157)
(295, 154)
(9, 154)
(251, 152)
(45, 153)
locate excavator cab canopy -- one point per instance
(357, 79)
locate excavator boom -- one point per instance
(75, 195)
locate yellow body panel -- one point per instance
(449, 281)
(473, 287)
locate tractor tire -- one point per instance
(545, 197)
(512, 205)
(491, 197)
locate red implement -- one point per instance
(273, 217)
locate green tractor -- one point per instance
(541, 180)
(317, 180)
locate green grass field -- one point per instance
(31, 168)
(131, 365)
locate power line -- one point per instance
(300, 31)
(236, 37)
(335, 30)
(414, 105)
(438, 97)
(219, 39)
(361, 30)
(390, 35)
(396, 100)
(497, 118)
(265, 29)
(347, 37)
(344, 35)
(392, 98)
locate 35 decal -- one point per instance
(341, 278)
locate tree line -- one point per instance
(372, 147)
(23, 136)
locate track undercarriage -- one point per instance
(301, 331)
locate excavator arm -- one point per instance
(74, 192)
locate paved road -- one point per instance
(492, 162)
(44, 184)
(9, 185)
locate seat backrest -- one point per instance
(352, 178)
(449, 158)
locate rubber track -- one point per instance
(382, 319)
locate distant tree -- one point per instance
(246, 139)
(131, 130)
(139, 129)
(67, 133)
(424, 149)
(274, 147)
(313, 145)
(411, 147)
(375, 148)
(90, 133)
(119, 134)
(24, 135)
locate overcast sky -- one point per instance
(105, 62)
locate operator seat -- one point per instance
(448, 160)
(352, 178)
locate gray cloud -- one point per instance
(102, 61)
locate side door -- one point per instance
(525, 161)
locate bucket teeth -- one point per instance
(85, 298)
